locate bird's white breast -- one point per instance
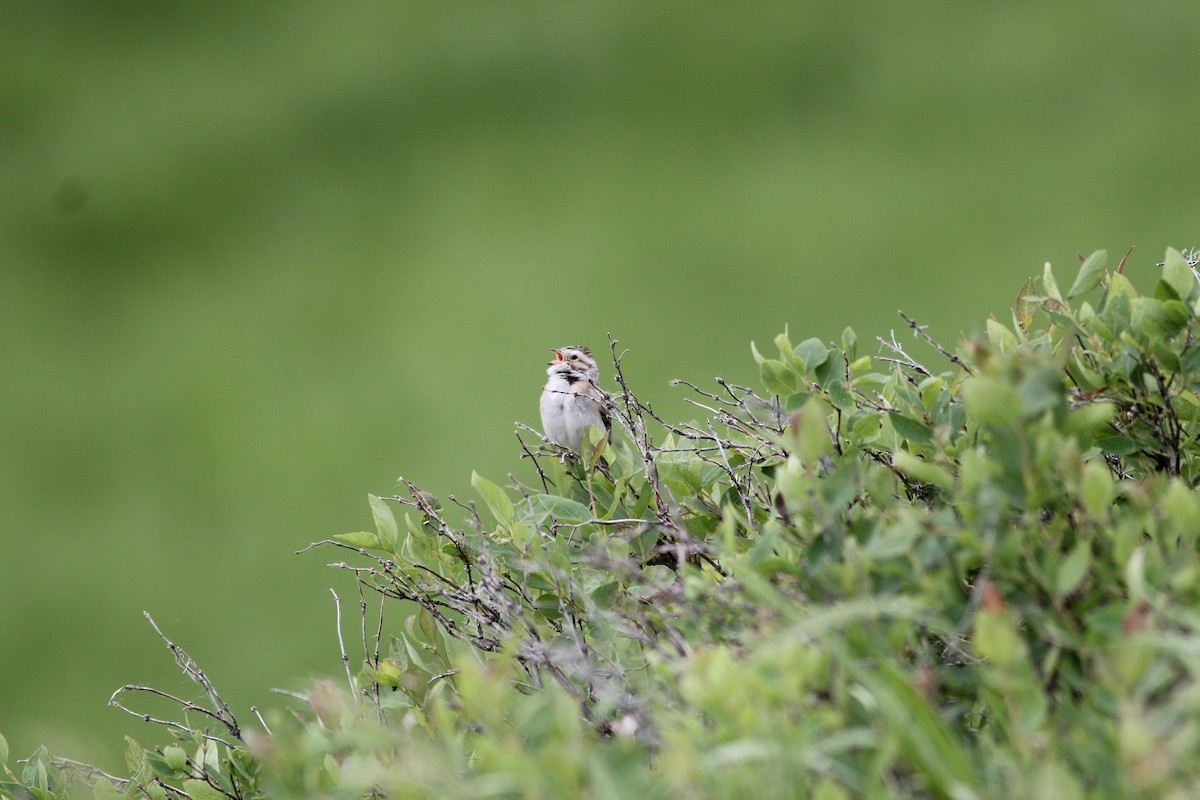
(567, 414)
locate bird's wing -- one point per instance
(594, 392)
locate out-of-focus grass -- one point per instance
(258, 260)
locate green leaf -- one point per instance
(366, 539)
(1096, 489)
(1026, 305)
(200, 790)
(418, 656)
(1155, 319)
(1031, 702)
(385, 522)
(104, 790)
(35, 775)
(596, 440)
(421, 543)
(520, 534)
(175, 757)
(1040, 390)
(1073, 569)
(839, 395)
(643, 543)
(1091, 272)
(1177, 274)
(387, 674)
(1180, 509)
(864, 426)
(1116, 313)
(850, 343)
(783, 344)
(1001, 337)
(428, 628)
(1050, 285)
(1118, 445)
(3, 749)
(942, 757)
(996, 638)
(777, 377)
(758, 357)
(812, 352)
(991, 401)
(908, 428)
(829, 789)
(811, 435)
(681, 476)
(329, 774)
(1119, 286)
(1089, 418)
(1056, 780)
(932, 393)
(207, 755)
(243, 764)
(605, 594)
(135, 756)
(891, 542)
(921, 470)
(159, 764)
(562, 509)
(829, 370)
(495, 498)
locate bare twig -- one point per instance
(186, 705)
(219, 710)
(530, 455)
(635, 424)
(337, 602)
(920, 331)
(261, 721)
(902, 358)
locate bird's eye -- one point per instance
(574, 358)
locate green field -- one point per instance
(258, 260)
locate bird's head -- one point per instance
(575, 359)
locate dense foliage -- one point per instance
(873, 579)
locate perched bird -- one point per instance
(572, 400)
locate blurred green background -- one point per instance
(257, 260)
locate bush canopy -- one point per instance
(873, 577)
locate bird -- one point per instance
(572, 400)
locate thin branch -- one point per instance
(337, 602)
(263, 722)
(186, 705)
(920, 331)
(903, 359)
(219, 711)
(529, 454)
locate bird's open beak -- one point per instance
(558, 357)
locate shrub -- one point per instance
(873, 579)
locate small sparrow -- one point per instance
(572, 400)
